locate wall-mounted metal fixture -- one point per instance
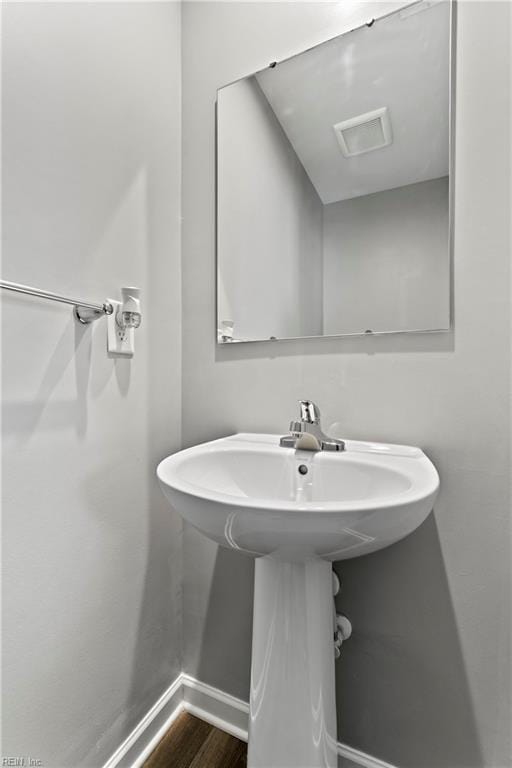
(342, 625)
(85, 311)
(307, 434)
(122, 316)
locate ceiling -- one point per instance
(400, 62)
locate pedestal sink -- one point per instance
(295, 511)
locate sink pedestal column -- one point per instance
(292, 721)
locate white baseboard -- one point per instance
(357, 757)
(216, 707)
(134, 750)
(212, 705)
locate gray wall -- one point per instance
(386, 260)
(91, 201)
(424, 680)
(269, 284)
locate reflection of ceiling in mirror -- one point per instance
(401, 62)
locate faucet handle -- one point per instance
(309, 412)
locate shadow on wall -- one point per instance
(22, 418)
(401, 687)
(225, 653)
(158, 635)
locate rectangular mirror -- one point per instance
(333, 186)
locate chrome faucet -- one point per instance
(307, 435)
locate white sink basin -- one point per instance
(246, 492)
(295, 511)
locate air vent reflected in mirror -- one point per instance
(364, 133)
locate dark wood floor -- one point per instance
(192, 743)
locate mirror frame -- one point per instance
(451, 191)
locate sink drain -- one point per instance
(303, 470)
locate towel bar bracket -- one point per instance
(86, 315)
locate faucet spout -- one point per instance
(309, 412)
(306, 434)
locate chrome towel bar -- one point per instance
(85, 311)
